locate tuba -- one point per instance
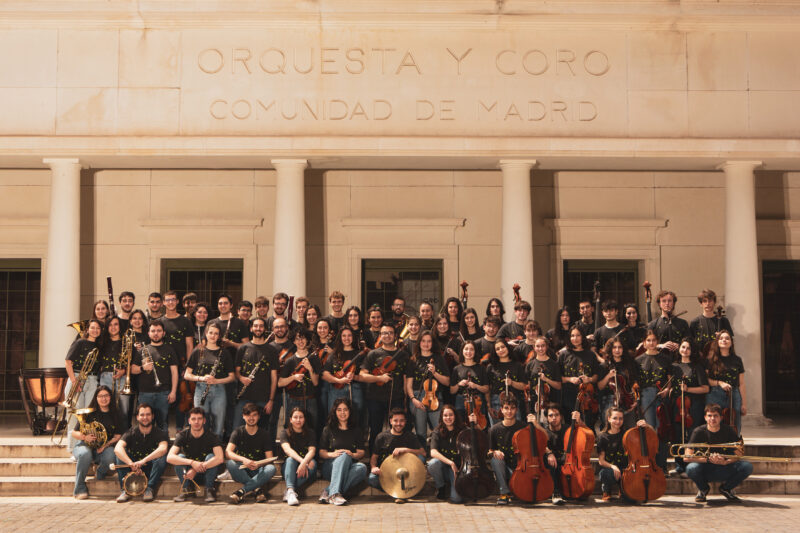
(91, 428)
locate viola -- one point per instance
(286, 353)
(729, 414)
(542, 394)
(622, 397)
(683, 416)
(474, 480)
(430, 400)
(577, 474)
(587, 401)
(531, 480)
(474, 404)
(666, 431)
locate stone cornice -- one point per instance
(402, 222)
(208, 223)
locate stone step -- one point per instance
(109, 487)
(28, 450)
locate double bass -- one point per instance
(531, 480)
(474, 480)
(643, 480)
(577, 474)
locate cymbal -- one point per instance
(402, 476)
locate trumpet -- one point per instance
(704, 451)
(147, 358)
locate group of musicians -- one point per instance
(339, 380)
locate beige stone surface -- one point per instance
(21, 176)
(606, 179)
(29, 58)
(657, 113)
(84, 111)
(690, 179)
(110, 203)
(148, 111)
(403, 201)
(687, 269)
(718, 114)
(27, 111)
(773, 61)
(199, 177)
(118, 177)
(223, 201)
(149, 58)
(88, 58)
(480, 266)
(774, 113)
(696, 216)
(21, 201)
(717, 61)
(482, 207)
(657, 61)
(597, 202)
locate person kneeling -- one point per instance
(196, 454)
(249, 445)
(396, 441)
(142, 449)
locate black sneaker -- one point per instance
(701, 496)
(504, 499)
(237, 497)
(729, 494)
(441, 493)
(261, 496)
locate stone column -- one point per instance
(742, 280)
(517, 233)
(61, 302)
(289, 256)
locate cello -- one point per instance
(643, 480)
(531, 480)
(474, 480)
(577, 475)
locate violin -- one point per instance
(542, 394)
(577, 474)
(474, 404)
(683, 414)
(430, 386)
(387, 366)
(531, 480)
(349, 366)
(587, 400)
(286, 353)
(643, 479)
(622, 397)
(300, 370)
(474, 480)
(186, 395)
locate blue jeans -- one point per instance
(344, 473)
(152, 470)
(375, 481)
(160, 405)
(125, 400)
(443, 475)
(357, 401)
(720, 397)
(289, 472)
(729, 475)
(250, 479)
(207, 478)
(216, 401)
(84, 399)
(424, 418)
(607, 480)
(263, 418)
(648, 395)
(85, 456)
(502, 474)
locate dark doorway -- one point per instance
(619, 280)
(781, 336)
(414, 279)
(208, 278)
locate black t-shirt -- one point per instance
(627, 370)
(253, 447)
(265, 357)
(336, 322)
(381, 392)
(522, 351)
(446, 444)
(238, 329)
(511, 331)
(78, 352)
(484, 350)
(587, 328)
(163, 359)
(725, 434)
(555, 441)
(674, 330)
(548, 367)
(386, 443)
(198, 448)
(558, 338)
(575, 363)
(500, 437)
(306, 387)
(176, 331)
(694, 375)
(604, 333)
(111, 351)
(351, 439)
(473, 336)
(654, 369)
(728, 371)
(202, 361)
(299, 442)
(703, 330)
(112, 423)
(284, 350)
(138, 446)
(418, 370)
(632, 337)
(497, 376)
(293, 324)
(611, 444)
(476, 372)
(371, 338)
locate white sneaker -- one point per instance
(291, 497)
(285, 495)
(337, 499)
(224, 476)
(324, 498)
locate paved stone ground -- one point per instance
(377, 515)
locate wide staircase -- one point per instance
(33, 466)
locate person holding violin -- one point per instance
(545, 368)
(322, 344)
(501, 450)
(726, 378)
(579, 367)
(703, 329)
(611, 454)
(445, 458)
(448, 344)
(485, 345)
(633, 336)
(558, 336)
(691, 379)
(356, 323)
(396, 441)
(620, 373)
(669, 329)
(341, 448)
(655, 367)
(514, 332)
(723, 465)
(372, 334)
(523, 352)
(467, 376)
(300, 377)
(344, 384)
(470, 328)
(426, 371)
(383, 371)
(506, 378)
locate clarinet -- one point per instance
(213, 372)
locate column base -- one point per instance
(756, 421)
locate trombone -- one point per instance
(71, 400)
(705, 450)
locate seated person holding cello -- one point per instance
(396, 441)
(610, 452)
(718, 463)
(501, 451)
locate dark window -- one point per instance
(20, 282)
(208, 278)
(618, 281)
(413, 279)
(781, 336)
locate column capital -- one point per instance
(750, 165)
(289, 163)
(54, 162)
(517, 163)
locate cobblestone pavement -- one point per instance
(677, 513)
